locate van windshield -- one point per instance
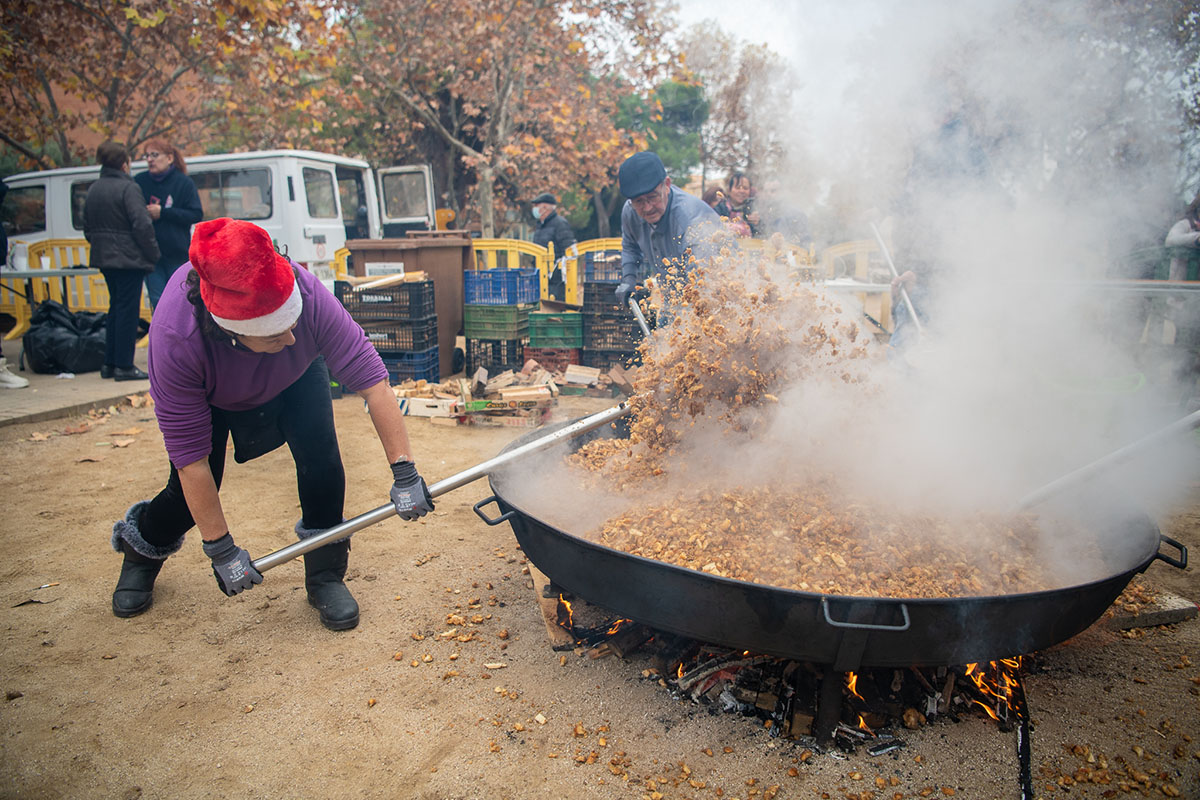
(24, 210)
(404, 195)
(236, 193)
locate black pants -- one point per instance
(301, 416)
(124, 303)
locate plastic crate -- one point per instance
(414, 366)
(603, 266)
(556, 329)
(555, 359)
(496, 322)
(416, 335)
(499, 287)
(412, 300)
(601, 298)
(603, 359)
(495, 355)
(610, 332)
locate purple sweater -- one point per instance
(189, 372)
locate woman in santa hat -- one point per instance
(236, 350)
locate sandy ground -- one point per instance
(208, 696)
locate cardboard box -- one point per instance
(428, 407)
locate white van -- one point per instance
(310, 203)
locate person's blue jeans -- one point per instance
(124, 304)
(156, 281)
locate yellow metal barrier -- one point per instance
(515, 254)
(84, 292)
(574, 273)
(341, 261)
(853, 260)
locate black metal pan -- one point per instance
(846, 632)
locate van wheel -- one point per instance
(460, 360)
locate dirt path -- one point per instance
(207, 696)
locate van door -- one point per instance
(406, 195)
(356, 195)
(23, 215)
(324, 231)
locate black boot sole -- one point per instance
(125, 613)
(335, 624)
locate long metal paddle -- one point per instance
(1190, 422)
(348, 527)
(639, 316)
(887, 256)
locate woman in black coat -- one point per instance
(123, 247)
(174, 206)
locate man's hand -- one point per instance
(231, 565)
(409, 493)
(624, 290)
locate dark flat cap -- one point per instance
(640, 173)
(545, 197)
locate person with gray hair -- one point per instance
(661, 225)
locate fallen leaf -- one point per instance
(38, 436)
(93, 459)
(134, 431)
(123, 442)
(84, 428)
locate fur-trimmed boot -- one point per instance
(324, 573)
(135, 588)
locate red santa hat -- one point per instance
(247, 287)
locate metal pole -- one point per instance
(912, 312)
(1089, 471)
(441, 487)
(639, 316)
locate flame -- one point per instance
(616, 626)
(1003, 688)
(862, 724)
(567, 619)
(852, 685)
(679, 671)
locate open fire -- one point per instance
(874, 705)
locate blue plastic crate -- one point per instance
(500, 287)
(412, 366)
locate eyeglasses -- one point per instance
(153, 155)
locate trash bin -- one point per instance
(442, 258)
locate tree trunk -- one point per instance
(487, 211)
(602, 226)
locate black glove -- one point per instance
(409, 493)
(624, 290)
(231, 565)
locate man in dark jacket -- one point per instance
(660, 224)
(123, 247)
(553, 228)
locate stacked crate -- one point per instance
(555, 338)
(610, 332)
(401, 322)
(496, 317)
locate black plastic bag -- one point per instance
(61, 340)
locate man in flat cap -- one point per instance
(552, 228)
(660, 223)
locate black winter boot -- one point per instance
(324, 571)
(135, 587)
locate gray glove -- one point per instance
(409, 492)
(624, 290)
(231, 565)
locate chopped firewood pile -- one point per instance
(510, 399)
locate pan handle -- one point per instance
(866, 625)
(1180, 562)
(478, 509)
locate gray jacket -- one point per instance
(117, 224)
(688, 223)
(1181, 235)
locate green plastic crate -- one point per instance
(556, 329)
(496, 322)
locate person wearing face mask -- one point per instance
(661, 225)
(238, 349)
(552, 228)
(174, 206)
